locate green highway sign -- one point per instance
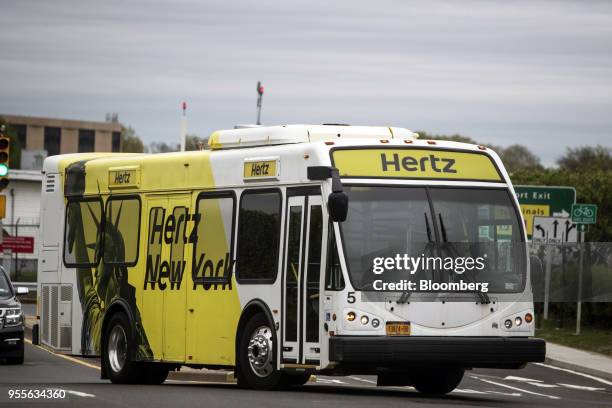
(584, 213)
(544, 201)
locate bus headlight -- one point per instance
(508, 324)
(375, 323)
(350, 316)
(364, 319)
(518, 321)
(528, 318)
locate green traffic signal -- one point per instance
(4, 170)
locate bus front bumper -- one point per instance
(467, 352)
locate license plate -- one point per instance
(398, 328)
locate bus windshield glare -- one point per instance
(391, 222)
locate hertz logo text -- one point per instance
(260, 169)
(409, 163)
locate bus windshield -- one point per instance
(443, 222)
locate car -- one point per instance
(11, 321)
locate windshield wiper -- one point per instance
(483, 297)
(428, 229)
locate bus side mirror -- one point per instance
(337, 205)
(337, 202)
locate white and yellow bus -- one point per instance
(257, 255)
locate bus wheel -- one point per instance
(438, 382)
(153, 373)
(257, 355)
(116, 357)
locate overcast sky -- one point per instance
(537, 73)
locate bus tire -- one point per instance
(291, 380)
(153, 373)
(438, 382)
(257, 355)
(117, 358)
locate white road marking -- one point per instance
(363, 380)
(516, 388)
(467, 391)
(510, 394)
(543, 385)
(592, 377)
(521, 379)
(73, 392)
(581, 387)
(80, 394)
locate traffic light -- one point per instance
(5, 143)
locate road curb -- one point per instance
(580, 368)
(203, 376)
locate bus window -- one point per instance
(215, 233)
(258, 236)
(294, 231)
(122, 231)
(313, 275)
(333, 272)
(82, 232)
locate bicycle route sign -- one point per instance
(584, 213)
(544, 201)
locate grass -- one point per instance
(590, 339)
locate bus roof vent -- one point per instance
(285, 134)
(50, 183)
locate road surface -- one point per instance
(535, 386)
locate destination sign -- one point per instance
(415, 164)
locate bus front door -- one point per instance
(305, 231)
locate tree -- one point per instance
(194, 142)
(454, 138)
(162, 147)
(518, 157)
(514, 157)
(576, 159)
(130, 142)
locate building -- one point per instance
(22, 219)
(42, 137)
(39, 138)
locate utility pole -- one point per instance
(260, 91)
(184, 127)
(5, 146)
(580, 273)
